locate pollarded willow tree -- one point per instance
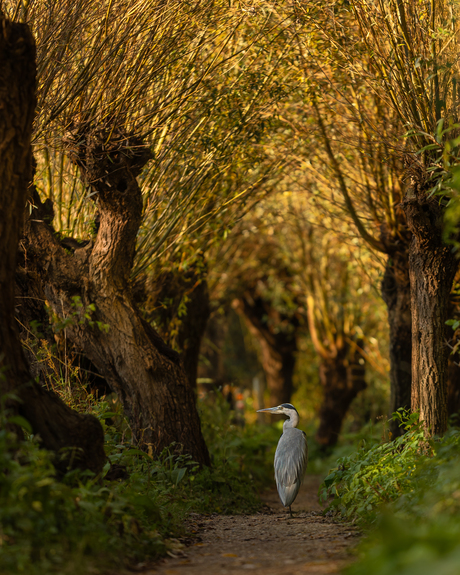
(416, 63)
(123, 89)
(342, 135)
(76, 439)
(405, 56)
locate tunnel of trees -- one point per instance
(136, 207)
(207, 208)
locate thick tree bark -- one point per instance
(342, 378)
(278, 345)
(432, 268)
(77, 439)
(396, 294)
(144, 372)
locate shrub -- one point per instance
(406, 493)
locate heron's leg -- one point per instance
(290, 512)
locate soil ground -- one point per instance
(268, 543)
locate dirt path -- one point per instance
(268, 543)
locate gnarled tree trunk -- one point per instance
(278, 345)
(77, 439)
(342, 378)
(144, 372)
(432, 267)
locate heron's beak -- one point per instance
(270, 409)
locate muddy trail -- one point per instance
(268, 543)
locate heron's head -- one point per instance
(284, 408)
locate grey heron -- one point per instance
(291, 455)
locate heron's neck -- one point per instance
(291, 422)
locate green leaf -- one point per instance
(106, 468)
(429, 147)
(108, 414)
(177, 475)
(330, 479)
(21, 421)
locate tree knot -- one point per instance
(106, 157)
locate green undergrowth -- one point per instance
(243, 454)
(81, 523)
(405, 494)
(320, 462)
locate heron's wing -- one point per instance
(291, 458)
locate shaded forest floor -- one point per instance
(268, 543)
